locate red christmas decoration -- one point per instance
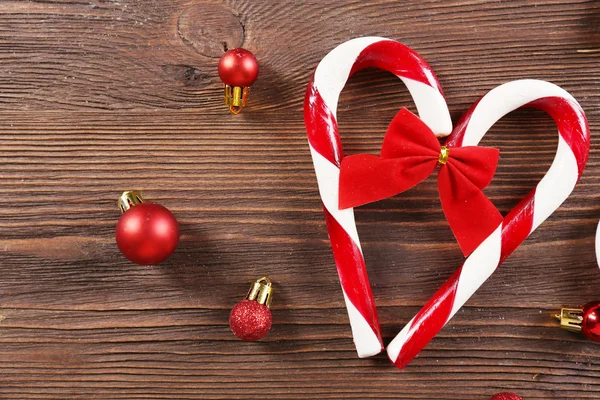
(585, 319)
(321, 102)
(590, 326)
(506, 396)
(251, 318)
(147, 233)
(409, 154)
(238, 69)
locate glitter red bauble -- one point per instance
(238, 67)
(250, 320)
(590, 326)
(147, 233)
(506, 396)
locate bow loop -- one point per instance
(478, 164)
(409, 154)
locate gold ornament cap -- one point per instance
(236, 98)
(261, 291)
(128, 199)
(570, 318)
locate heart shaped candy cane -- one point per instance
(320, 107)
(551, 191)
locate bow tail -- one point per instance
(470, 214)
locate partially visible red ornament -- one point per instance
(238, 69)
(585, 319)
(506, 396)
(147, 233)
(251, 319)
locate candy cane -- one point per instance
(320, 118)
(551, 191)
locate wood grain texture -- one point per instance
(97, 97)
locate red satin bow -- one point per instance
(410, 153)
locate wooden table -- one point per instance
(97, 97)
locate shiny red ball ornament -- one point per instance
(251, 318)
(590, 325)
(147, 233)
(506, 396)
(585, 319)
(238, 69)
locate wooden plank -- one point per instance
(99, 97)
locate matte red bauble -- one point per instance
(147, 233)
(584, 319)
(238, 69)
(251, 318)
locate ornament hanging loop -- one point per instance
(261, 291)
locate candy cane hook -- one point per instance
(551, 191)
(320, 108)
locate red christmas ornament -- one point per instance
(585, 319)
(590, 325)
(147, 233)
(251, 319)
(238, 69)
(506, 396)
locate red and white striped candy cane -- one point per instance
(320, 118)
(551, 191)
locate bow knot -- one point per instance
(409, 154)
(444, 154)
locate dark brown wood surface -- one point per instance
(97, 97)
